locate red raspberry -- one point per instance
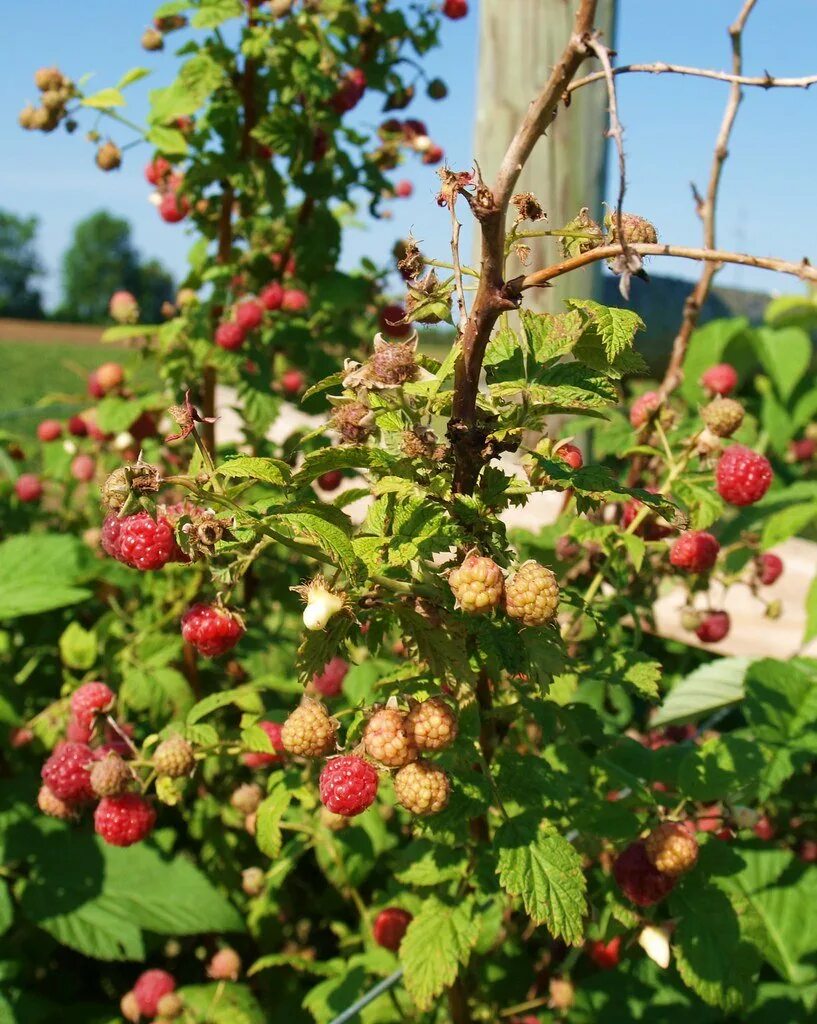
(109, 537)
(769, 568)
(28, 487)
(49, 430)
(83, 468)
(329, 683)
(272, 296)
(808, 851)
(742, 476)
(229, 336)
(642, 409)
(67, 772)
(801, 451)
(76, 733)
(403, 189)
(390, 926)
(570, 454)
(145, 543)
(259, 759)
(294, 300)
(77, 426)
(348, 785)
(292, 382)
(157, 170)
(149, 989)
(640, 881)
(90, 700)
(650, 528)
(764, 829)
(225, 965)
(671, 848)
(124, 820)
(455, 9)
(721, 379)
(330, 481)
(694, 551)
(350, 91)
(248, 315)
(211, 629)
(713, 627)
(173, 208)
(605, 955)
(390, 320)
(434, 154)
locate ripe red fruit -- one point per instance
(721, 379)
(83, 468)
(808, 851)
(49, 430)
(272, 296)
(329, 683)
(77, 426)
(212, 630)
(259, 759)
(742, 476)
(764, 829)
(157, 170)
(390, 320)
(348, 785)
(28, 487)
(605, 955)
(330, 481)
(248, 315)
(294, 300)
(292, 382)
(173, 208)
(390, 926)
(433, 154)
(229, 335)
(124, 820)
(78, 733)
(150, 988)
(350, 91)
(803, 450)
(769, 568)
(571, 454)
(641, 882)
(67, 772)
(142, 542)
(90, 700)
(455, 9)
(694, 551)
(713, 627)
(643, 407)
(403, 189)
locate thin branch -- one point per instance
(455, 258)
(707, 209)
(803, 269)
(765, 81)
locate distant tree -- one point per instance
(19, 267)
(102, 259)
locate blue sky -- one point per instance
(670, 125)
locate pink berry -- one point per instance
(694, 551)
(329, 683)
(605, 955)
(721, 379)
(211, 629)
(124, 820)
(571, 454)
(272, 296)
(77, 426)
(49, 430)
(259, 759)
(157, 170)
(248, 315)
(769, 568)
(292, 382)
(803, 450)
(764, 829)
(403, 189)
(83, 468)
(433, 155)
(67, 772)
(229, 336)
(144, 543)
(742, 476)
(149, 989)
(294, 300)
(173, 208)
(28, 487)
(642, 409)
(348, 785)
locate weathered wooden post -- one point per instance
(519, 41)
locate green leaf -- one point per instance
(703, 503)
(329, 528)
(781, 702)
(169, 141)
(245, 467)
(617, 328)
(811, 612)
(792, 310)
(103, 99)
(639, 671)
(546, 871)
(423, 863)
(244, 697)
(134, 75)
(722, 766)
(785, 354)
(268, 825)
(221, 1003)
(551, 336)
(212, 13)
(124, 332)
(347, 456)
(39, 573)
(437, 942)
(708, 688)
(6, 908)
(786, 523)
(78, 647)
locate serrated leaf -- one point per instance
(438, 941)
(551, 336)
(244, 697)
(245, 467)
(423, 863)
(350, 456)
(708, 688)
(134, 75)
(103, 99)
(722, 766)
(39, 573)
(617, 328)
(221, 1003)
(329, 529)
(811, 612)
(268, 824)
(703, 503)
(542, 867)
(212, 13)
(786, 523)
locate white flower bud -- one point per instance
(655, 943)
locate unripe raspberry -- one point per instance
(247, 797)
(605, 955)
(635, 229)
(129, 1008)
(67, 772)
(123, 307)
(433, 724)
(174, 757)
(49, 430)
(83, 468)
(723, 416)
(571, 454)
(721, 379)
(49, 803)
(394, 363)
(353, 421)
(803, 449)
(390, 926)
(388, 739)
(694, 551)
(742, 476)
(348, 785)
(225, 965)
(211, 629)
(262, 759)
(253, 881)
(671, 848)
(170, 1007)
(309, 731)
(769, 568)
(643, 408)
(532, 595)
(638, 878)
(110, 776)
(152, 40)
(152, 986)
(477, 584)
(124, 820)
(421, 788)
(562, 994)
(329, 683)
(713, 627)
(108, 157)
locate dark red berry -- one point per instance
(390, 926)
(713, 627)
(694, 551)
(769, 568)
(640, 881)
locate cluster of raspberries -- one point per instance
(530, 595)
(142, 541)
(647, 870)
(154, 995)
(249, 314)
(92, 764)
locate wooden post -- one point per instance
(520, 40)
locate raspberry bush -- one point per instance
(295, 713)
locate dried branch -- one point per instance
(765, 81)
(455, 259)
(707, 209)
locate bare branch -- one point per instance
(765, 81)
(455, 259)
